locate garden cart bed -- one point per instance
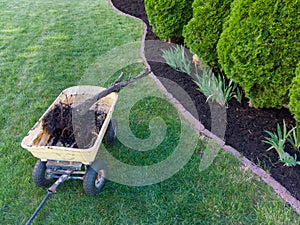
(37, 138)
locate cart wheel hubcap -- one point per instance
(99, 179)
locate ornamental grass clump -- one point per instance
(177, 58)
(294, 137)
(215, 87)
(277, 142)
(259, 49)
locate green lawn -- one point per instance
(47, 46)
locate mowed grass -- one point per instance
(47, 46)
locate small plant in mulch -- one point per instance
(278, 141)
(177, 58)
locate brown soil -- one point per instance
(58, 123)
(245, 125)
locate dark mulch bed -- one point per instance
(245, 125)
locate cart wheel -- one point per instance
(111, 132)
(94, 178)
(39, 175)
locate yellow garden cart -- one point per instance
(63, 163)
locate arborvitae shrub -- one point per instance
(260, 48)
(203, 31)
(168, 17)
(294, 105)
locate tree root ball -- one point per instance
(68, 130)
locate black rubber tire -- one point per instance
(95, 178)
(111, 132)
(39, 175)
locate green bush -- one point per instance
(203, 31)
(168, 17)
(260, 48)
(294, 105)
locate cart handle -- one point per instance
(50, 191)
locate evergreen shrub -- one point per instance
(294, 105)
(260, 48)
(168, 17)
(203, 31)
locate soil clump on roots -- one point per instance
(69, 130)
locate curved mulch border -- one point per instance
(262, 174)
